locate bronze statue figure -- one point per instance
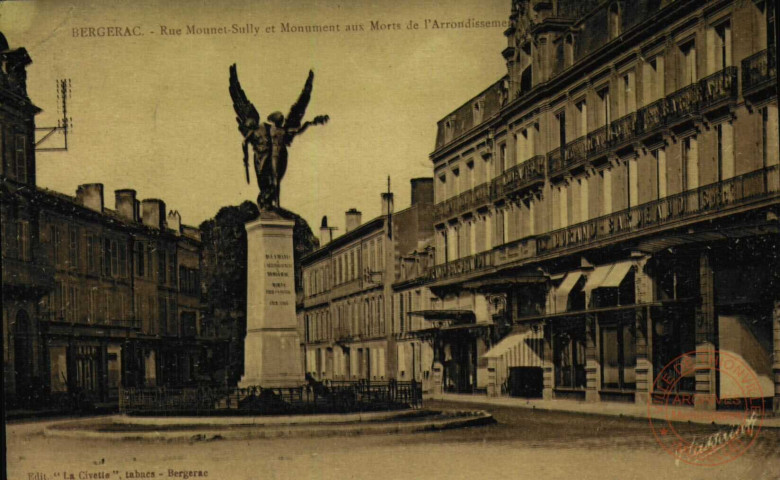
(270, 140)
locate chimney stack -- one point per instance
(174, 221)
(387, 203)
(326, 232)
(153, 213)
(125, 204)
(353, 219)
(91, 196)
(422, 190)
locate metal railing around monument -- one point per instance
(326, 397)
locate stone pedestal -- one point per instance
(272, 356)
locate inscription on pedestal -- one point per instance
(278, 270)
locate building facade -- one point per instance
(94, 299)
(611, 203)
(346, 314)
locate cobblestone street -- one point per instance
(523, 444)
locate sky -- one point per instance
(152, 112)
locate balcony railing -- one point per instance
(624, 129)
(718, 87)
(462, 266)
(682, 103)
(676, 107)
(569, 156)
(759, 70)
(516, 178)
(598, 141)
(709, 198)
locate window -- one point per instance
(563, 205)
(604, 111)
(501, 158)
(568, 51)
(653, 81)
(726, 167)
(140, 259)
(581, 120)
(688, 63)
(21, 158)
(172, 269)
(633, 182)
(606, 197)
(660, 158)
(54, 239)
(23, 240)
(73, 247)
(569, 354)
(105, 257)
(627, 98)
(93, 292)
(560, 117)
(614, 21)
(618, 352)
(161, 267)
(123, 260)
(91, 266)
(690, 163)
(719, 57)
(162, 314)
(114, 258)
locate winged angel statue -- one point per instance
(270, 140)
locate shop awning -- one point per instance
(617, 274)
(609, 275)
(564, 289)
(506, 344)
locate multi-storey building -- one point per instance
(93, 298)
(615, 199)
(346, 311)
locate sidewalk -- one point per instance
(630, 410)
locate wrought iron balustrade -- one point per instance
(683, 103)
(519, 177)
(567, 156)
(462, 266)
(481, 195)
(762, 183)
(598, 141)
(719, 86)
(652, 116)
(623, 130)
(759, 70)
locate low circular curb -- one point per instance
(459, 419)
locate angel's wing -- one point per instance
(246, 113)
(298, 110)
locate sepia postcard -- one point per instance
(267, 239)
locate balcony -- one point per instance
(714, 198)
(570, 156)
(519, 177)
(623, 130)
(513, 181)
(759, 72)
(718, 88)
(462, 266)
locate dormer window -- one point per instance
(614, 21)
(478, 110)
(568, 51)
(449, 128)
